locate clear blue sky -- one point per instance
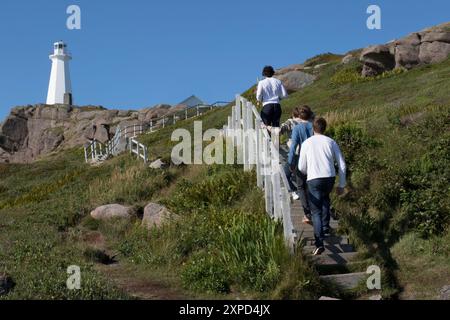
(136, 53)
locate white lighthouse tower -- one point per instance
(60, 87)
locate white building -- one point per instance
(60, 87)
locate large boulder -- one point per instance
(434, 52)
(407, 56)
(110, 211)
(155, 215)
(157, 164)
(296, 80)
(6, 284)
(411, 40)
(377, 59)
(429, 46)
(102, 133)
(436, 36)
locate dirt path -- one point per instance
(138, 286)
(134, 281)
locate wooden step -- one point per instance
(334, 259)
(332, 241)
(331, 248)
(346, 281)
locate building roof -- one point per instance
(192, 101)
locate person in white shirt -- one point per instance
(318, 156)
(270, 91)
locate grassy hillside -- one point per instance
(222, 245)
(394, 131)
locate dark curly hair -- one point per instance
(305, 113)
(268, 71)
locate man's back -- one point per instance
(270, 90)
(318, 155)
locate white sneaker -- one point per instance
(295, 196)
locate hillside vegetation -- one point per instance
(394, 132)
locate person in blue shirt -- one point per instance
(300, 134)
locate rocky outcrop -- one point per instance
(294, 78)
(111, 211)
(155, 215)
(35, 130)
(434, 52)
(377, 59)
(419, 48)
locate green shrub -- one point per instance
(352, 74)
(218, 189)
(253, 249)
(347, 75)
(424, 194)
(354, 143)
(205, 272)
(90, 223)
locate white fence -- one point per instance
(99, 151)
(138, 149)
(259, 150)
(95, 150)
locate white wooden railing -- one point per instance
(138, 149)
(258, 150)
(95, 150)
(98, 151)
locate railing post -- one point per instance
(250, 136)
(259, 176)
(238, 122)
(174, 119)
(198, 111)
(151, 125)
(186, 113)
(138, 150)
(244, 136)
(164, 122)
(268, 191)
(145, 155)
(276, 190)
(85, 154)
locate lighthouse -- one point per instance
(60, 87)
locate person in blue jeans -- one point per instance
(318, 156)
(301, 132)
